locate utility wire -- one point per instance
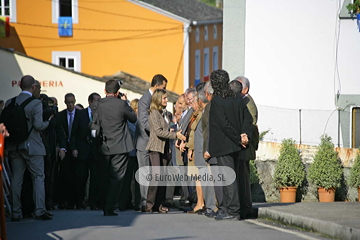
(110, 13)
(135, 37)
(104, 30)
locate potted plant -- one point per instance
(354, 177)
(326, 171)
(354, 8)
(289, 171)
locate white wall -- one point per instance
(290, 52)
(14, 66)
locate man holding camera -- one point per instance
(112, 114)
(29, 153)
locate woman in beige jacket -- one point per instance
(158, 147)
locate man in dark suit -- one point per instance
(30, 153)
(249, 153)
(64, 131)
(230, 131)
(85, 156)
(158, 82)
(112, 114)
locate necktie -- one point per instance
(91, 117)
(71, 118)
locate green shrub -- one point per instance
(326, 171)
(354, 177)
(254, 176)
(289, 171)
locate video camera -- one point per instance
(120, 82)
(48, 108)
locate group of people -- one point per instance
(106, 143)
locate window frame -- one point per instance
(215, 50)
(197, 65)
(56, 55)
(55, 7)
(353, 125)
(12, 16)
(215, 33)
(197, 34)
(206, 33)
(206, 62)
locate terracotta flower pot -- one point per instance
(326, 195)
(288, 194)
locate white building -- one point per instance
(57, 81)
(301, 60)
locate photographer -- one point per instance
(49, 139)
(112, 114)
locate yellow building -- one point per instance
(180, 39)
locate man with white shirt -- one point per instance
(158, 82)
(64, 131)
(84, 154)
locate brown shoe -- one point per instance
(148, 210)
(163, 209)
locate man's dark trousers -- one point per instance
(230, 203)
(114, 168)
(242, 167)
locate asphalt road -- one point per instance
(92, 225)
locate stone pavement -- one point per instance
(339, 220)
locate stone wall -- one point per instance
(267, 155)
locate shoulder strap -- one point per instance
(26, 102)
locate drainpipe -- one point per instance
(338, 127)
(300, 123)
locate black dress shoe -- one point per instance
(226, 217)
(110, 214)
(62, 206)
(246, 216)
(15, 219)
(212, 214)
(168, 205)
(49, 213)
(143, 209)
(45, 216)
(70, 207)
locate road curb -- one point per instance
(327, 228)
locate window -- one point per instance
(206, 34)
(65, 8)
(206, 64)
(215, 59)
(197, 34)
(355, 128)
(69, 60)
(215, 32)
(8, 9)
(197, 67)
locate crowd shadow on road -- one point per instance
(65, 221)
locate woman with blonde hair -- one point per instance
(158, 147)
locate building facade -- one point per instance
(139, 37)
